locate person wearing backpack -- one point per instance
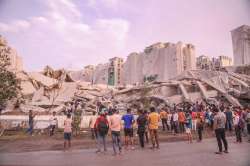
(102, 128)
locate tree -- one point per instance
(9, 84)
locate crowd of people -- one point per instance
(185, 118)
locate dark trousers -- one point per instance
(175, 126)
(238, 133)
(221, 137)
(141, 138)
(116, 140)
(146, 136)
(182, 127)
(229, 125)
(30, 129)
(93, 133)
(200, 129)
(52, 130)
(164, 124)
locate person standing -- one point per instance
(169, 117)
(53, 123)
(153, 124)
(67, 131)
(128, 129)
(188, 126)
(102, 128)
(237, 126)
(141, 123)
(182, 120)
(200, 126)
(229, 119)
(92, 126)
(194, 120)
(31, 122)
(219, 128)
(115, 128)
(248, 123)
(163, 116)
(175, 122)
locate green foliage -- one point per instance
(77, 121)
(9, 84)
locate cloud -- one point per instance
(14, 26)
(112, 4)
(62, 30)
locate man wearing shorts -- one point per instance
(128, 128)
(67, 131)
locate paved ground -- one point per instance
(170, 154)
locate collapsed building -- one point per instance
(177, 81)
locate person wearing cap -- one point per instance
(219, 128)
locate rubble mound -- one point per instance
(52, 90)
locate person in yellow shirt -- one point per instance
(164, 116)
(153, 125)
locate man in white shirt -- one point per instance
(175, 122)
(92, 125)
(53, 123)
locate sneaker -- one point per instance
(98, 151)
(226, 151)
(218, 152)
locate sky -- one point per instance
(75, 33)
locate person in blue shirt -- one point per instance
(188, 127)
(128, 128)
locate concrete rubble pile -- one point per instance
(192, 86)
(51, 90)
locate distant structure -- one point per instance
(160, 62)
(100, 74)
(16, 63)
(115, 71)
(241, 45)
(206, 63)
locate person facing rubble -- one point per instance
(247, 118)
(115, 128)
(67, 132)
(53, 123)
(219, 128)
(153, 124)
(141, 123)
(163, 116)
(128, 129)
(182, 120)
(188, 126)
(31, 122)
(92, 125)
(102, 128)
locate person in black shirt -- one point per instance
(141, 122)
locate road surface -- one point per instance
(169, 154)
